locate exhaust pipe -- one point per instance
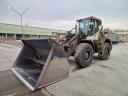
(41, 62)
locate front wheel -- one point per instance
(84, 55)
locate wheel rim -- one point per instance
(87, 55)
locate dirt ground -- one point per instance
(102, 78)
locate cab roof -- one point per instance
(91, 18)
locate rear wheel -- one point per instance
(104, 54)
(84, 55)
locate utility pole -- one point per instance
(21, 17)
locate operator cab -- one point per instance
(88, 25)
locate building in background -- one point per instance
(10, 31)
(117, 37)
(123, 36)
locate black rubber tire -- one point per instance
(106, 52)
(81, 55)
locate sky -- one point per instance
(62, 14)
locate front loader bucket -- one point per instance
(41, 62)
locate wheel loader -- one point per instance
(89, 38)
(44, 61)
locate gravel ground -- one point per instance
(102, 78)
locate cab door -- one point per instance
(96, 31)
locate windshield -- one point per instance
(83, 26)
